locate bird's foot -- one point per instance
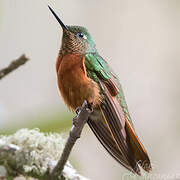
(89, 108)
(78, 110)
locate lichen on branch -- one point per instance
(34, 154)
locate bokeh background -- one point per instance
(140, 40)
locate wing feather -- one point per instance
(107, 141)
(116, 121)
(114, 128)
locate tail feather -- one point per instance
(139, 151)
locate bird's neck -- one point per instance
(76, 48)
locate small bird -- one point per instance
(82, 74)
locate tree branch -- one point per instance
(31, 153)
(13, 65)
(79, 121)
(34, 154)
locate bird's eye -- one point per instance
(81, 35)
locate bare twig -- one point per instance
(13, 65)
(79, 121)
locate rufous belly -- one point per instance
(74, 85)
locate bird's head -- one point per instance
(76, 39)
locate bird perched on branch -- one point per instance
(82, 74)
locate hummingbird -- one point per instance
(82, 74)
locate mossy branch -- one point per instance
(42, 156)
(34, 154)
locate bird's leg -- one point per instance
(90, 107)
(78, 110)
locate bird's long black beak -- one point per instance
(58, 19)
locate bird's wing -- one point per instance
(115, 130)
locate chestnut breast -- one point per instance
(74, 85)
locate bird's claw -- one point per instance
(90, 107)
(78, 109)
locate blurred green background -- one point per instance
(140, 40)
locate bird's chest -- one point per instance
(74, 85)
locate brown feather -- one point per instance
(139, 151)
(116, 119)
(117, 135)
(74, 85)
(112, 87)
(105, 138)
(133, 141)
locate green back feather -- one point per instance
(97, 68)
